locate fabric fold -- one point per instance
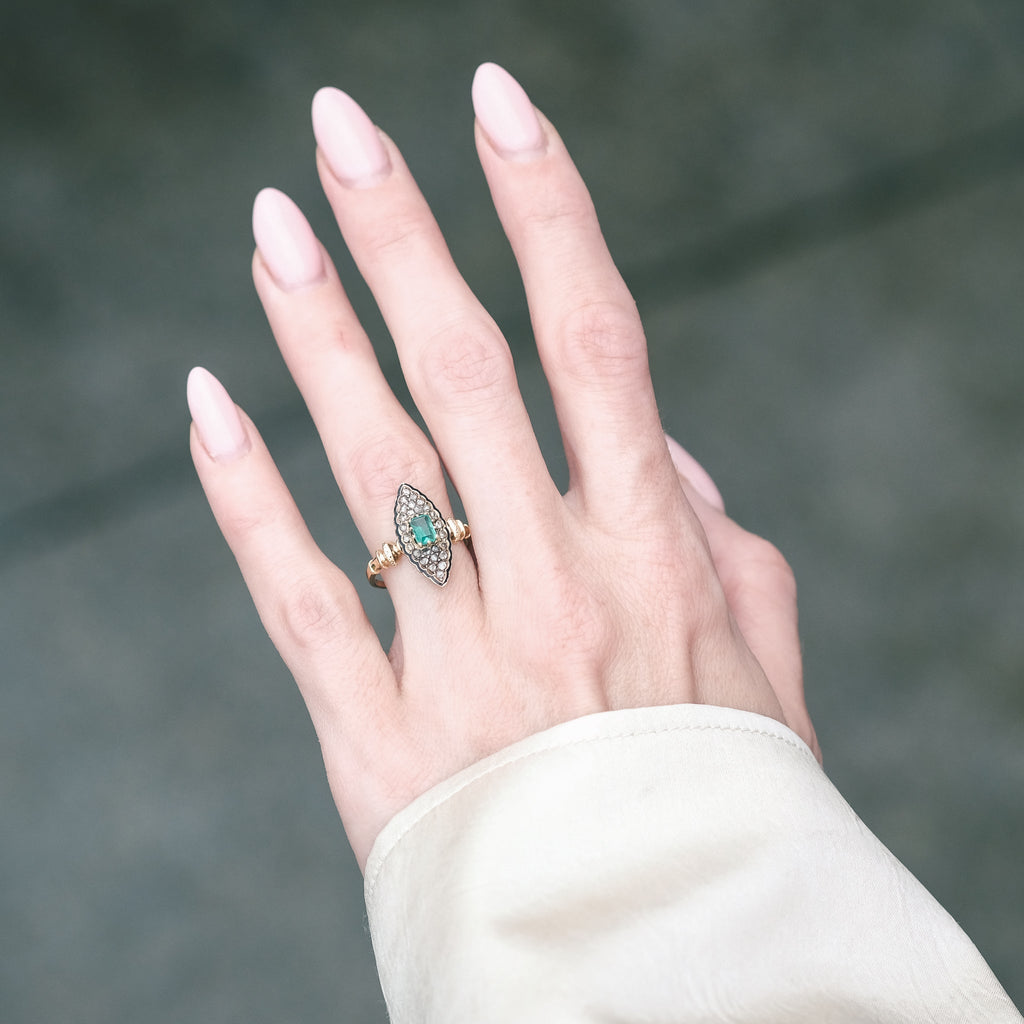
(671, 864)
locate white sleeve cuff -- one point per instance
(670, 864)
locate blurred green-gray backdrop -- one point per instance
(819, 207)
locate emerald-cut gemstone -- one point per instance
(423, 532)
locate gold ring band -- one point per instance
(422, 534)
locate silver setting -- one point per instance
(434, 560)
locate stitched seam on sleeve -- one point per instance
(371, 885)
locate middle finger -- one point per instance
(457, 364)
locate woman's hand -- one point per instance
(634, 588)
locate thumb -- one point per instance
(687, 466)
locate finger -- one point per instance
(373, 445)
(457, 365)
(688, 467)
(760, 589)
(588, 332)
(308, 607)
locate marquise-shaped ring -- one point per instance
(422, 534)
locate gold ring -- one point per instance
(421, 533)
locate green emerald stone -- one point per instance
(423, 532)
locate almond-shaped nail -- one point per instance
(349, 139)
(506, 114)
(216, 417)
(286, 241)
(686, 464)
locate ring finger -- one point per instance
(371, 442)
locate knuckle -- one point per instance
(314, 614)
(566, 211)
(692, 596)
(603, 341)
(764, 569)
(379, 464)
(393, 237)
(248, 520)
(469, 362)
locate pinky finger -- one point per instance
(308, 606)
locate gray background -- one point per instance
(819, 208)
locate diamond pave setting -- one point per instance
(416, 518)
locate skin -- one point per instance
(633, 588)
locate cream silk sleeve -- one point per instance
(670, 864)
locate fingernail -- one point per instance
(216, 417)
(349, 139)
(286, 241)
(506, 114)
(698, 476)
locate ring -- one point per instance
(422, 533)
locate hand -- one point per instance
(632, 589)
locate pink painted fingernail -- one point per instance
(686, 464)
(216, 417)
(286, 241)
(349, 139)
(506, 114)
